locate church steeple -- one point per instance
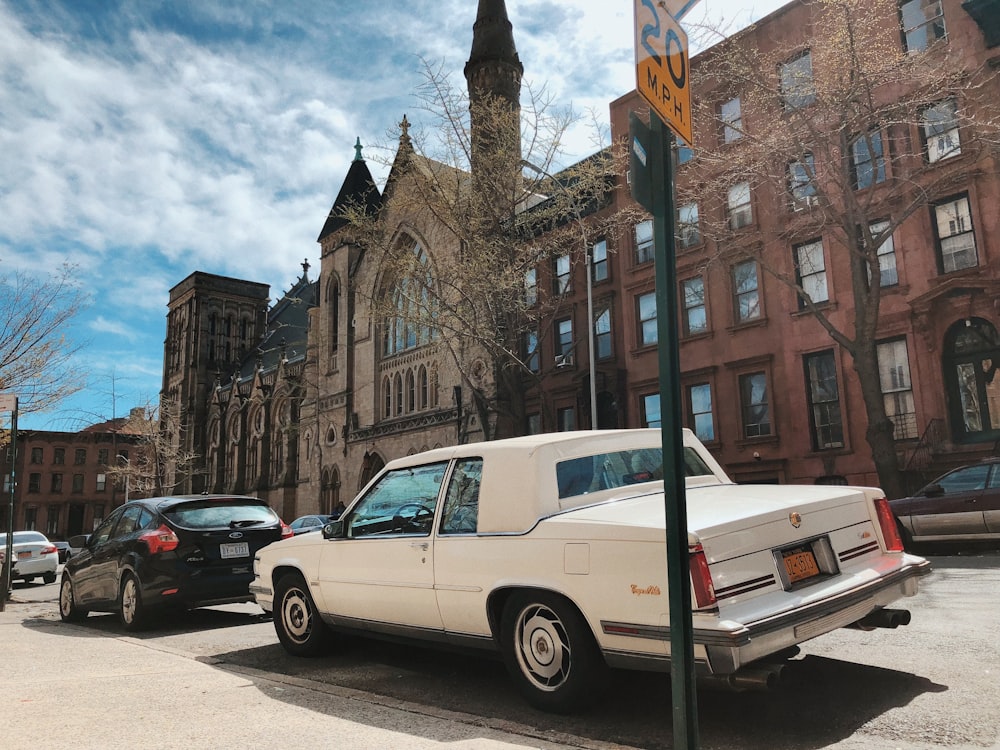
(493, 74)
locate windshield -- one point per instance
(207, 514)
(602, 471)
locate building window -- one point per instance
(411, 392)
(897, 389)
(564, 342)
(867, 161)
(102, 482)
(796, 81)
(732, 120)
(940, 131)
(972, 377)
(34, 482)
(36, 455)
(80, 456)
(397, 394)
(530, 287)
(52, 521)
(824, 401)
(405, 328)
(534, 424)
(566, 419)
(922, 22)
(102, 456)
(810, 272)
(956, 239)
(78, 483)
(57, 482)
(651, 410)
(746, 290)
(562, 274)
(644, 242)
(801, 186)
(647, 319)
(688, 232)
(599, 261)
(738, 209)
(700, 406)
(888, 273)
(602, 334)
(532, 360)
(422, 386)
(386, 397)
(754, 405)
(59, 456)
(695, 319)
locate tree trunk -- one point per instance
(879, 433)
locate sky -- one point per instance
(143, 140)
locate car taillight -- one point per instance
(162, 539)
(701, 578)
(49, 550)
(887, 520)
(286, 530)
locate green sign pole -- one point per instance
(8, 563)
(682, 673)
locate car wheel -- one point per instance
(550, 652)
(299, 627)
(49, 577)
(68, 610)
(131, 610)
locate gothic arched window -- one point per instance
(407, 326)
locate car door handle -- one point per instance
(424, 546)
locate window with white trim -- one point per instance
(810, 272)
(955, 235)
(939, 126)
(922, 22)
(897, 388)
(738, 208)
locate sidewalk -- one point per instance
(66, 685)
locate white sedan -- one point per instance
(33, 554)
(551, 549)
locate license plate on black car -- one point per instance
(234, 549)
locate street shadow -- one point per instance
(166, 622)
(819, 701)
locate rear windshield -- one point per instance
(578, 476)
(206, 514)
(28, 536)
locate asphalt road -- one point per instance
(933, 684)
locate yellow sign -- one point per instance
(661, 66)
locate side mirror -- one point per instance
(79, 541)
(933, 490)
(334, 530)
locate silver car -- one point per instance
(33, 554)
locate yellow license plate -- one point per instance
(800, 564)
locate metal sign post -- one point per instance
(9, 403)
(662, 80)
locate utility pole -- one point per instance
(8, 402)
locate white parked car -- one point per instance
(551, 549)
(33, 554)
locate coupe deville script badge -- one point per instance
(795, 519)
(645, 591)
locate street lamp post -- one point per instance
(591, 356)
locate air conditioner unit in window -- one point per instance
(804, 202)
(564, 360)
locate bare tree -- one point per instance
(846, 111)
(36, 352)
(156, 454)
(501, 220)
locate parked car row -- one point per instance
(33, 555)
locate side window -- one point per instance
(129, 522)
(402, 502)
(461, 505)
(969, 479)
(103, 532)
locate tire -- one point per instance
(550, 652)
(907, 537)
(131, 610)
(300, 629)
(68, 609)
(49, 577)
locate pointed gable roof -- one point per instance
(493, 37)
(359, 188)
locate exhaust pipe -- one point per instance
(883, 618)
(761, 678)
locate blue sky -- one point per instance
(144, 140)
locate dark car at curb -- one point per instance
(168, 552)
(962, 506)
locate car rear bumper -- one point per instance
(31, 567)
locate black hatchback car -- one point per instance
(184, 552)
